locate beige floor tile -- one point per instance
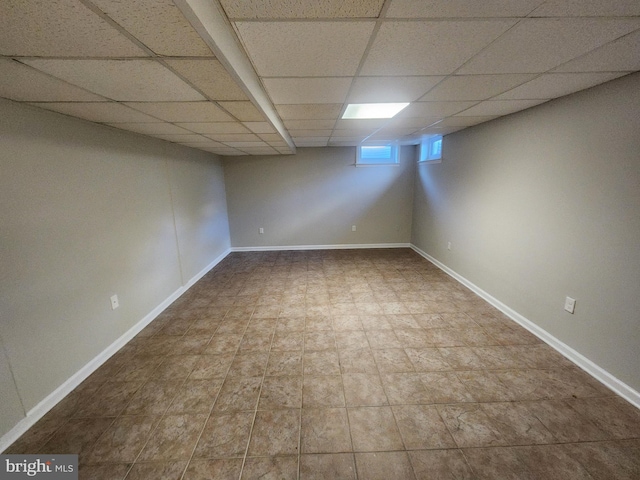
(76, 436)
(421, 427)
(565, 423)
(357, 361)
(275, 432)
(225, 436)
(325, 430)
(324, 466)
(319, 340)
(251, 364)
(374, 429)
(364, 389)
(333, 352)
(284, 363)
(440, 465)
(157, 471)
(123, 440)
(281, 468)
(470, 426)
(196, 396)
(281, 392)
(322, 391)
(384, 465)
(153, 398)
(492, 463)
(174, 438)
(323, 362)
(238, 394)
(112, 471)
(220, 469)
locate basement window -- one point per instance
(431, 149)
(383, 154)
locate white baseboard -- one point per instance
(37, 412)
(580, 360)
(343, 246)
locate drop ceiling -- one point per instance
(256, 77)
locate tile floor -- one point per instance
(369, 364)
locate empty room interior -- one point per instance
(321, 239)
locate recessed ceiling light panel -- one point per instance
(373, 110)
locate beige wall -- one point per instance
(545, 204)
(87, 212)
(314, 197)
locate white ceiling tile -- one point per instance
(464, 121)
(186, 138)
(183, 111)
(394, 132)
(552, 85)
(23, 83)
(343, 143)
(499, 107)
(588, 8)
(429, 47)
(260, 127)
(617, 56)
(307, 90)
(214, 127)
(297, 49)
(352, 132)
(461, 8)
(151, 128)
(537, 45)
(243, 111)
(233, 137)
(361, 124)
(318, 111)
(205, 144)
(433, 109)
(227, 151)
(158, 24)
(209, 76)
(390, 89)
(309, 124)
(309, 133)
(40, 28)
(285, 150)
(102, 112)
(272, 138)
(413, 122)
(235, 144)
(123, 80)
(311, 141)
(302, 8)
(441, 131)
(267, 150)
(474, 87)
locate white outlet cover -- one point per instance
(570, 304)
(114, 302)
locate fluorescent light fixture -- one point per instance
(373, 110)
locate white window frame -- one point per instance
(394, 160)
(427, 153)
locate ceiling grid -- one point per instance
(289, 67)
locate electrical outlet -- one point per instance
(570, 304)
(448, 245)
(353, 228)
(261, 230)
(114, 302)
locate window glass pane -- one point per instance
(375, 152)
(436, 149)
(377, 155)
